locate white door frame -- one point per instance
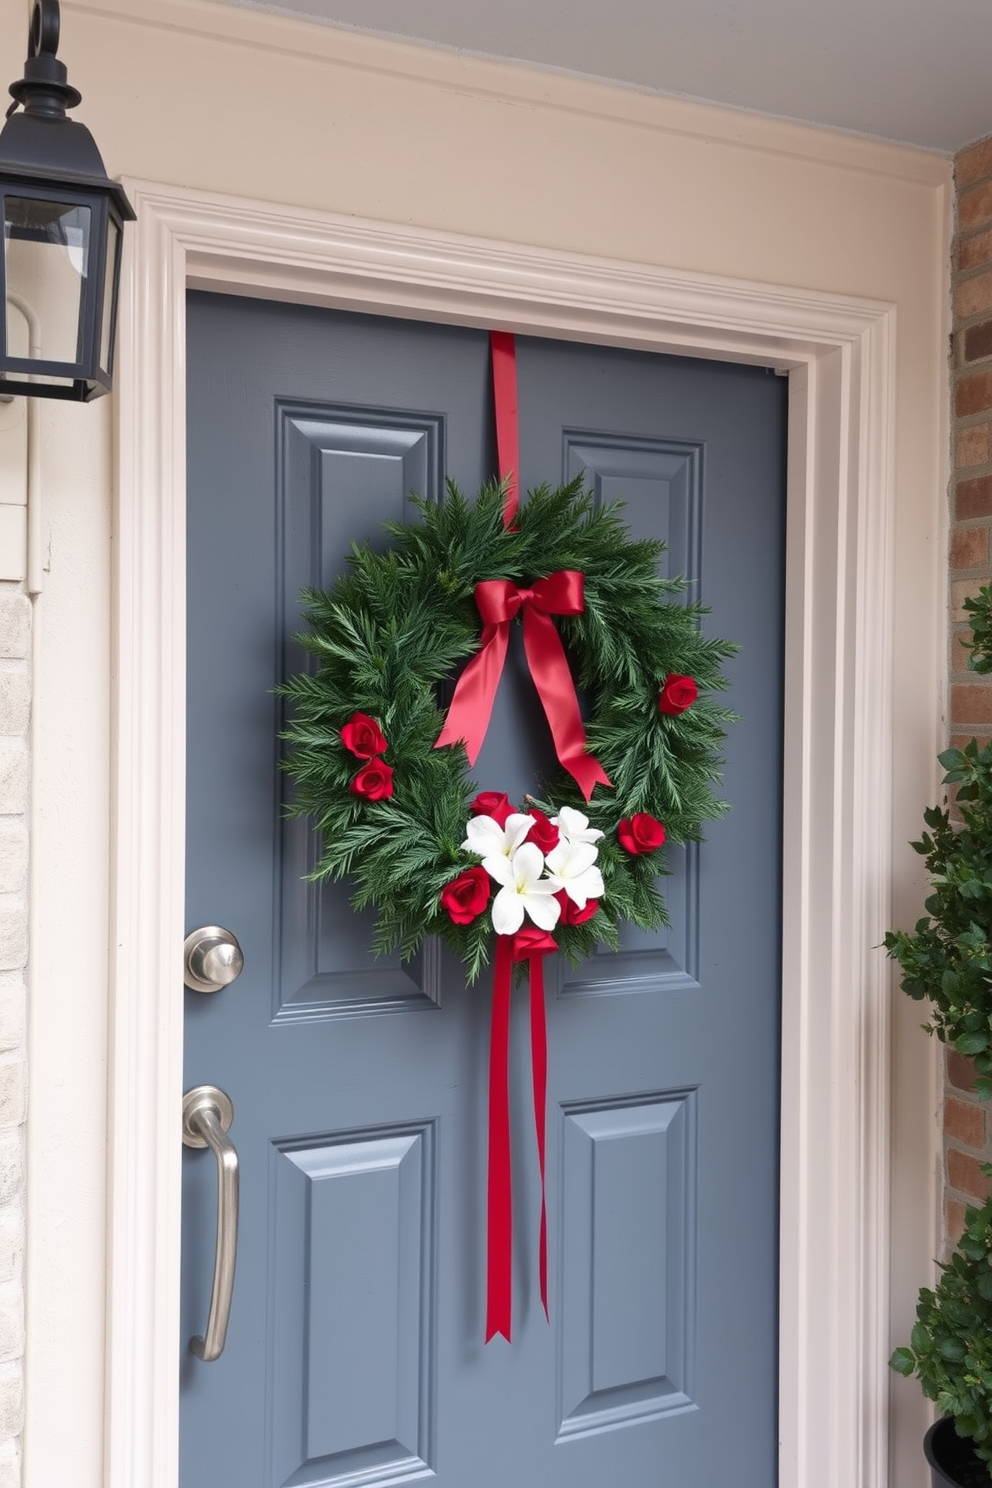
(835, 1163)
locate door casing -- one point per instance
(835, 1159)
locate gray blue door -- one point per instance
(355, 1350)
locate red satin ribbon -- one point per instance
(498, 602)
(529, 945)
(535, 952)
(499, 1234)
(503, 349)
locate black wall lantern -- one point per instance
(63, 221)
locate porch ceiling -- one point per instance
(910, 70)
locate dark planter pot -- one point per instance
(953, 1464)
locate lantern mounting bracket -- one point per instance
(45, 88)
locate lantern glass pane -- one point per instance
(46, 252)
(109, 290)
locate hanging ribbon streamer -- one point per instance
(499, 1220)
(539, 1074)
(530, 945)
(503, 349)
(498, 602)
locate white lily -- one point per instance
(487, 839)
(572, 867)
(574, 826)
(524, 891)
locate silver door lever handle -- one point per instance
(207, 1117)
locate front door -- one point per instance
(355, 1354)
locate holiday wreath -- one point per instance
(384, 773)
(400, 817)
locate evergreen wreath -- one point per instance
(393, 809)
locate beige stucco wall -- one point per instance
(244, 103)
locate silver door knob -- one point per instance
(207, 1117)
(212, 958)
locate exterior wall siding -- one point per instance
(15, 711)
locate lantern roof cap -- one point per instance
(56, 151)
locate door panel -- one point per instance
(355, 1351)
(660, 482)
(353, 1364)
(626, 1329)
(336, 464)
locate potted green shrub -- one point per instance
(947, 960)
(950, 1352)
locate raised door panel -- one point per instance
(626, 1314)
(659, 482)
(353, 1273)
(342, 472)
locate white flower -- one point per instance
(572, 868)
(524, 891)
(487, 839)
(574, 827)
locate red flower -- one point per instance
(530, 940)
(641, 833)
(363, 736)
(571, 914)
(494, 804)
(544, 832)
(677, 694)
(374, 781)
(466, 896)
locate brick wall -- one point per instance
(15, 696)
(967, 1131)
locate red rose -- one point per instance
(363, 736)
(677, 694)
(543, 833)
(466, 896)
(374, 781)
(641, 833)
(571, 914)
(494, 804)
(531, 941)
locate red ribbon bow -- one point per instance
(498, 602)
(529, 945)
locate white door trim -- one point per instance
(839, 667)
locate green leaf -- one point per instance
(902, 1361)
